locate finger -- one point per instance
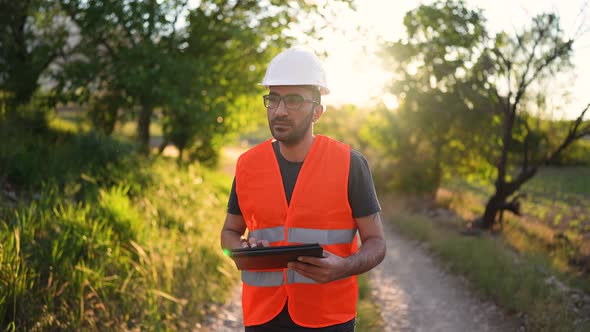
(315, 260)
(244, 244)
(305, 270)
(252, 242)
(263, 243)
(311, 260)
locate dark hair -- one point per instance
(315, 92)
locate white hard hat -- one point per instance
(296, 66)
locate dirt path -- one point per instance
(228, 317)
(415, 294)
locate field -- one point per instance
(556, 213)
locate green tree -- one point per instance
(197, 73)
(522, 61)
(437, 70)
(471, 96)
(33, 34)
(124, 50)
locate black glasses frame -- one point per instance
(267, 99)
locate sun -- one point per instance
(355, 71)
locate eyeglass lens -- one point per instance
(291, 101)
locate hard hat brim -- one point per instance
(323, 90)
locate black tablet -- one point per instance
(277, 257)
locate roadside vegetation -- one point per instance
(519, 283)
(555, 221)
(368, 312)
(95, 236)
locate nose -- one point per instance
(281, 109)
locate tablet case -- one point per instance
(261, 258)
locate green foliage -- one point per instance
(400, 160)
(104, 111)
(29, 144)
(343, 123)
(470, 101)
(32, 36)
(109, 240)
(201, 74)
(115, 207)
(444, 111)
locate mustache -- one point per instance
(281, 121)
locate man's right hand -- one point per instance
(253, 243)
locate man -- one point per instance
(303, 188)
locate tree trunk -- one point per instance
(438, 171)
(180, 156)
(162, 146)
(496, 202)
(493, 206)
(143, 128)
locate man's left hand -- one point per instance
(328, 268)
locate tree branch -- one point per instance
(522, 87)
(508, 65)
(572, 136)
(123, 24)
(560, 51)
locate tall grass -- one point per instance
(103, 239)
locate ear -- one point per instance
(317, 113)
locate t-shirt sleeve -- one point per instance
(361, 189)
(233, 206)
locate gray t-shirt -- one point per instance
(361, 190)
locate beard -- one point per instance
(291, 133)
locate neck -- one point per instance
(298, 151)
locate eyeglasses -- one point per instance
(292, 101)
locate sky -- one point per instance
(356, 75)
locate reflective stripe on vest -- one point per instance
(262, 279)
(273, 279)
(321, 236)
(305, 235)
(271, 234)
(296, 278)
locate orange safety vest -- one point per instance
(318, 212)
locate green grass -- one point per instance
(368, 312)
(557, 202)
(103, 239)
(566, 180)
(514, 282)
(555, 196)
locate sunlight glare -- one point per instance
(355, 72)
(390, 101)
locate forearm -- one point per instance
(232, 231)
(231, 239)
(369, 255)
